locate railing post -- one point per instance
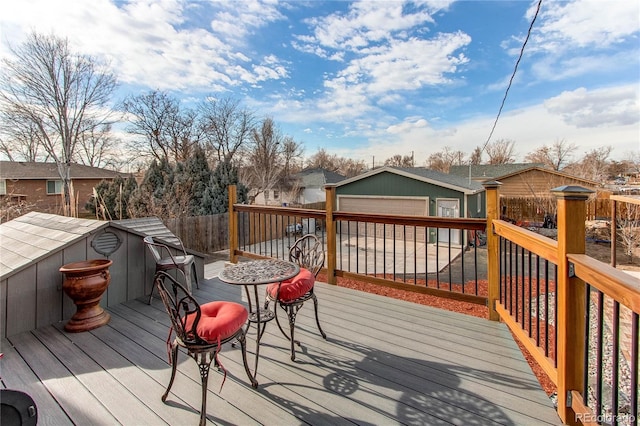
(493, 255)
(570, 294)
(330, 192)
(233, 225)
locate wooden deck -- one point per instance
(385, 362)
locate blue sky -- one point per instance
(371, 79)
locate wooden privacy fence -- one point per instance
(530, 209)
(206, 234)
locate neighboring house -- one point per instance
(305, 187)
(40, 187)
(311, 183)
(410, 191)
(270, 197)
(35, 246)
(486, 172)
(525, 190)
(523, 180)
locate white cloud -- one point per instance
(614, 111)
(148, 43)
(237, 20)
(408, 65)
(365, 23)
(595, 23)
(598, 108)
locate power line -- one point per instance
(504, 99)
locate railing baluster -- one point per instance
(599, 348)
(538, 301)
(587, 333)
(530, 301)
(634, 367)
(394, 252)
(449, 258)
(375, 249)
(615, 360)
(437, 257)
(415, 255)
(546, 307)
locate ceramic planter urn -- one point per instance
(85, 282)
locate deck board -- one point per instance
(385, 361)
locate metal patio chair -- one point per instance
(166, 261)
(290, 295)
(201, 330)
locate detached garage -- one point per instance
(412, 191)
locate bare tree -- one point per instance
(399, 161)
(500, 151)
(443, 160)
(292, 152)
(322, 160)
(165, 129)
(348, 167)
(265, 160)
(21, 140)
(341, 165)
(96, 148)
(628, 227)
(556, 156)
(593, 166)
(58, 93)
(476, 156)
(226, 127)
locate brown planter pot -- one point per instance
(85, 282)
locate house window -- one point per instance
(54, 187)
(276, 194)
(3, 187)
(479, 202)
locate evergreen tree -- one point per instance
(199, 173)
(112, 198)
(223, 176)
(154, 195)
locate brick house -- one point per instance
(38, 185)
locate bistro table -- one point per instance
(253, 274)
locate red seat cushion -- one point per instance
(293, 288)
(219, 320)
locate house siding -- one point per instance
(536, 183)
(390, 184)
(34, 193)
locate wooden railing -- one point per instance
(588, 345)
(577, 317)
(428, 255)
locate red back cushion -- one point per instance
(293, 288)
(219, 320)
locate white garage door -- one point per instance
(418, 206)
(384, 205)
